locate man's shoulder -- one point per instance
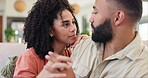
(84, 43)
(84, 55)
(88, 45)
(144, 53)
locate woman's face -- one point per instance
(64, 28)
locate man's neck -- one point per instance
(117, 43)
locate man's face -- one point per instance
(101, 22)
(103, 32)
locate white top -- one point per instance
(130, 62)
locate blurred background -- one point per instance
(14, 12)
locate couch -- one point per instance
(15, 49)
(10, 49)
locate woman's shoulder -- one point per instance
(28, 61)
(29, 57)
(29, 53)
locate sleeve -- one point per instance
(145, 76)
(25, 67)
(78, 54)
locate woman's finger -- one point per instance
(58, 58)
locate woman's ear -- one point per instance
(119, 17)
(51, 32)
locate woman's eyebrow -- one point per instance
(65, 21)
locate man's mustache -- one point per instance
(92, 26)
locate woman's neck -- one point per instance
(58, 47)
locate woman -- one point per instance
(50, 26)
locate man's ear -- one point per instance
(51, 32)
(119, 17)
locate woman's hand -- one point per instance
(79, 38)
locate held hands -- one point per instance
(57, 67)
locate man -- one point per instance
(115, 49)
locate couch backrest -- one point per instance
(10, 49)
(15, 49)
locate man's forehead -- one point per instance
(100, 3)
(97, 4)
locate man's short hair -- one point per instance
(133, 8)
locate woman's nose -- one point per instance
(73, 28)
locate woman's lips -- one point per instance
(73, 36)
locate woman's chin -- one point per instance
(72, 42)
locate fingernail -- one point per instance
(47, 56)
(50, 53)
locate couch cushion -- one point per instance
(8, 70)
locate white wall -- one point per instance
(1, 7)
(143, 24)
(11, 12)
(86, 10)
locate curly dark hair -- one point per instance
(132, 7)
(40, 20)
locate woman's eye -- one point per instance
(74, 22)
(66, 24)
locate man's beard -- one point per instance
(103, 32)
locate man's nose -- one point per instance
(91, 19)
